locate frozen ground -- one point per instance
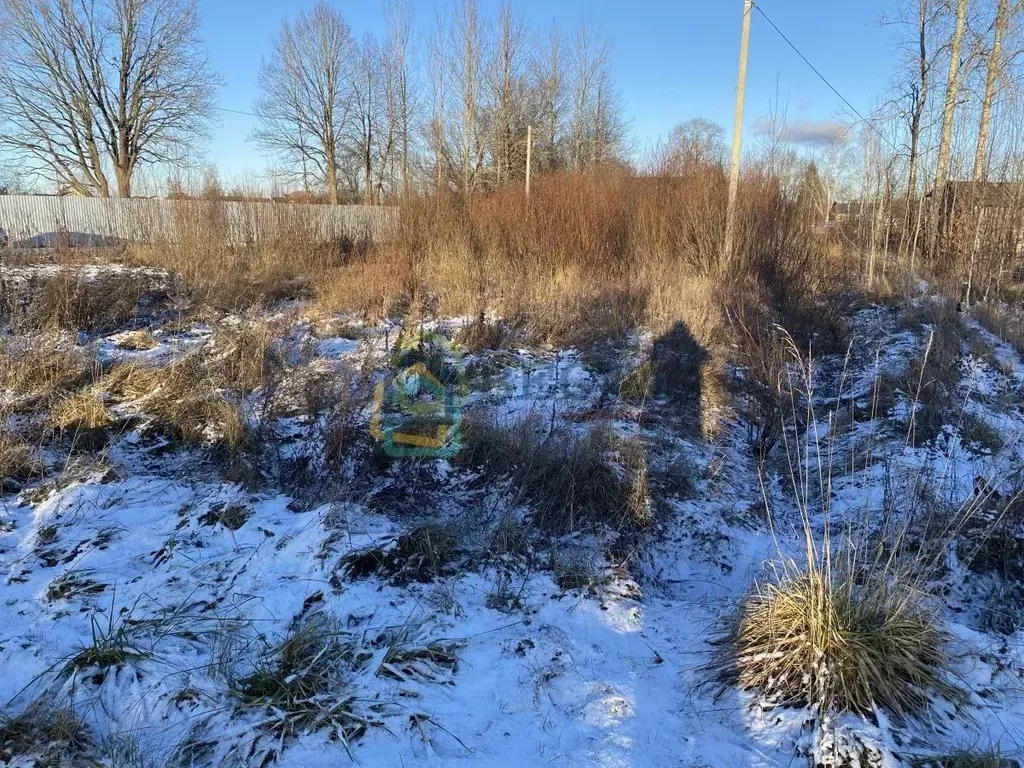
(195, 578)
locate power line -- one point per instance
(824, 79)
(235, 111)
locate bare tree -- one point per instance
(467, 37)
(306, 96)
(99, 88)
(507, 96)
(994, 70)
(693, 144)
(549, 93)
(401, 86)
(953, 84)
(598, 130)
(366, 93)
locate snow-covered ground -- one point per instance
(196, 579)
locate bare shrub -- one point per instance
(588, 257)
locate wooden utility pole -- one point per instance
(737, 133)
(529, 156)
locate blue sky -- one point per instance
(672, 59)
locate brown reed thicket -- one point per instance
(589, 256)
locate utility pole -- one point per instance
(737, 133)
(529, 156)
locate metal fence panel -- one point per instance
(35, 220)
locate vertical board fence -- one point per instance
(41, 221)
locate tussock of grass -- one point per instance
(84, 411)
(183, 401)
(405, 659)
(840, 644)
(49, 735)
(301, 683)
(421, 555)
(112, 647)
(136, 341)
(17, 460)
(570, 480)
(36, 371)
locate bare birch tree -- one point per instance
(994, 70)
(953, 84)
(306, 96)
(91, 91)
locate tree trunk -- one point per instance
(948, 117)
(920, 104)
(994, 66)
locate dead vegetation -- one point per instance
(36, 371)
(70, 299)
(420, 555)
(837, 642)
(18, 461)
(301, 684)
(47, 735)
(571, 481)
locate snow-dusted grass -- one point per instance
(336, 605)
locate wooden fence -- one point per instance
(40, 221)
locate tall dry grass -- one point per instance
(588, 256)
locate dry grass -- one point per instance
(84, 411)
(37, 371)
(242, 358)
(933, 375)
(136, 341)
(589, 257)
(18, 461)
(50, 736)
(301, 683)
(183, 401)
(233, 271)
(570, 481)
(68, 299)
(839, 643)
(1002, 321)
